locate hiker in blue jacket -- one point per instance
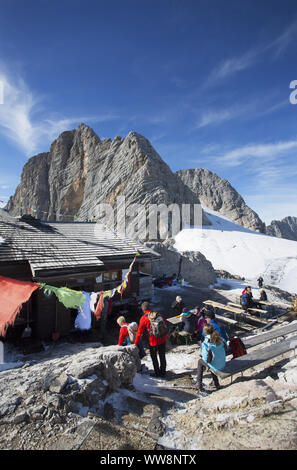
(211, 319)
(213, 356)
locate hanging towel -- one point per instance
(13, 294)
(93, 301)
(100, 305)
(83, 320)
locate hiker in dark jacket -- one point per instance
(188, 319)
(263, 295)
(178, 305)
(260, 281)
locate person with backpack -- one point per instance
(157, 328)
(124, 339)
(127, 335)
(260, 281)
(213, 356)
(246, 299)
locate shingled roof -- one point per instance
(61, 246)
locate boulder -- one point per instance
(191, 266)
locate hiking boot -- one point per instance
(200, 389)
(213, 385)
(154, 374)
(143, 369)
(162, 375)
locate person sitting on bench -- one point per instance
(189, 321)
(246, 299)
(200, 321)
(178, 305)
(211, 319)
(213, 356)
(263, 295)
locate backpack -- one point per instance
(132, 330)
(244, 299)
(237, 347)
(158, 325)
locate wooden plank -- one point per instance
(262, 338)
(269, 304)
(236, 311)
(222, 306)
(257, 357)
(174, 320)
(230, 321)
(235, 305)
(257, 320)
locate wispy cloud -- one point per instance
(252, 108)
(282, 42)
(240, 155)
(20, 119)
(233, 65)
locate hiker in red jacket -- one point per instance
(124, 333)
(157, 328)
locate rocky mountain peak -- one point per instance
(217, 194)
(285, 228)
(81, 172)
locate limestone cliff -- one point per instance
(217, 194)
(81, 171)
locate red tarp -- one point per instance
(13, 294)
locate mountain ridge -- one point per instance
(82, 171)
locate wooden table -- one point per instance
(174, 320)
(233, 310)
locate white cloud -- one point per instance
(19, 121)
(268, 152)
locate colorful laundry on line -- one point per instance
(83, 320)
(68, 297)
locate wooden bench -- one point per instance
(222, 306)
(234, 311)
(259, 356)
(264, 337)
(186, 335)
(229, 321)
(258, 311)
(265, 302)
(235, 305)
(254, 309)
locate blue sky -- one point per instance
(206, 81)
